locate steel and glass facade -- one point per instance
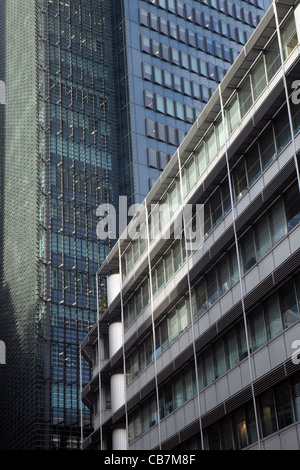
(92, 88)
(172, 56)
(59, 163)
(196, 349)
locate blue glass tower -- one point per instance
(99, 95)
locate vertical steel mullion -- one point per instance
(99, 362)
(239, 270)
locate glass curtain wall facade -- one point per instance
(208, 332)
(59, 163)
(99, 94)
(173, 55)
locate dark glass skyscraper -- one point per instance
(99, 94)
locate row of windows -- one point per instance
(63, 244)
(69, 281)
(79, 151)
(214, 139)
(69, 213)
(181, 59)
(254, 245)
(72, 318)
(170, 107)
(271, 142)
(159, 131)
(157, 159)
(277, 408)
(196, 40)
(60, 58)
(174, 82)
(196, 16)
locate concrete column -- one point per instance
(119, 439)
(113, 287)
(117, 391)
(115, 337)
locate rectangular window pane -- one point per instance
(273, 316)
(239, 429)
(267, 414)
(183, 317)
(288, 36)
(262, 236)
(240, 180)
(232, 114)
(232, 357)
(209, 375)
(220, 362)
(257, 328)
(282, 130)
(248, 252)
(211, 145)
(259, 80)
(245, 97)
(277, 223)
(292, 207)
(267, 147)
(201, 301)
(253, 164)
(288, 304)
(273, 61)
(212, 287)
(284, 407)
(173, 326)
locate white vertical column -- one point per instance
(117, 388)
(113, 287)
(119, 439)
(115, 337)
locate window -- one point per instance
(284, 408)
(277, 223)
(262, 237)
(282, 129)
(146, 46)
(211, 145)
(143, 17)
(167, 79)
(248, 252)
(157, 76)
(273, 317)
(253, 164)
(163, 26)
(232, 114)
(160, 104)
(173, 30)
(273, 61)
(267, 414)
(152, 158)
(288, 36)
(147, 72)
(288, 305)
(149, 99)
(292, 207)
(245, 97)
(240, 180)
(232, 357)
(259, 81)
(267, 147)
(257, 328)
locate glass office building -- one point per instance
(177, 53)
(99, 95)
(197, 348)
